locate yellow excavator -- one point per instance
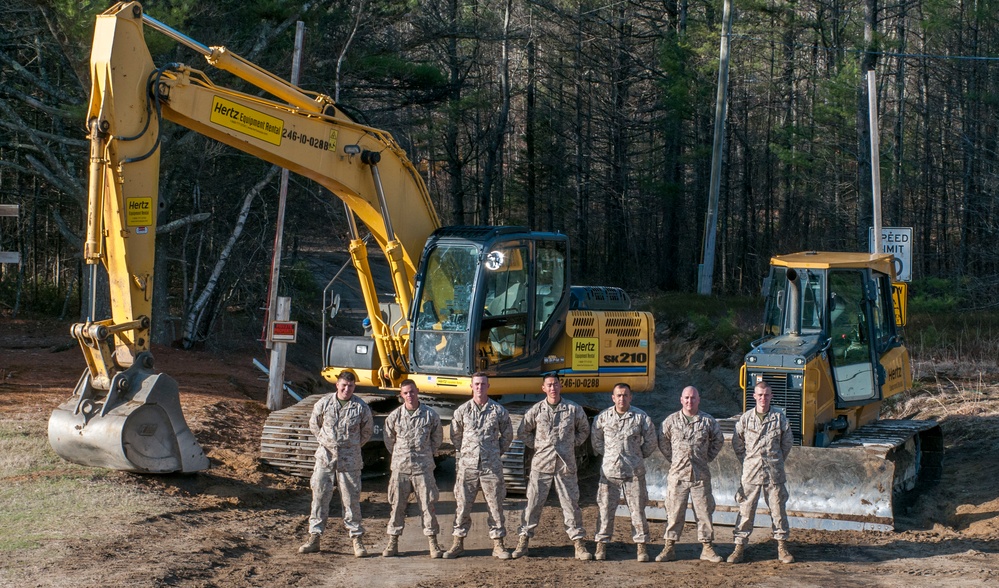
(832, 354)
(466, 299)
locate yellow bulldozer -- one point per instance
(832, 353)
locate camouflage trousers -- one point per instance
(467, 483)
(567, 488)
(636, 496)
(701, 500)
(748, 497)
(425, 488)
(324, 481)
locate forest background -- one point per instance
(589, 117)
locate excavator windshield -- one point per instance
(487, 296)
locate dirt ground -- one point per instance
(239, 523)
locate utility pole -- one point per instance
(275, 385)
(872, 116)
(707, 267)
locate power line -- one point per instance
(858, 51)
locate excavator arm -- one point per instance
(122, 414)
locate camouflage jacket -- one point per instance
(689, 447)
(762, 445)
(481, 435)
(625, 440)
(341, 431)
(412, 439)
(554, 432)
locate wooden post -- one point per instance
(279, 349)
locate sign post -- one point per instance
(280, 335)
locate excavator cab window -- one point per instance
(506, 283)
(442, 315)
(551, 280)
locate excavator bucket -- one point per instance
(855, 483)
(136, 427)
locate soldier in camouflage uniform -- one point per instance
(625, 436)
(553, 427)
(413, 434)
(762, 442)
(690, 439)
(342, 423)
(481, 432)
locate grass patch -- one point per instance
(44, 498)
(730, 321)
(968, 336)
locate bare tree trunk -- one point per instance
(195, 314)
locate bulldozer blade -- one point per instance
(852, 484)
(137, 427)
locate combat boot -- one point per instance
(312, 546)
(392, 549)
(499, 550)
(359, 550)
(435, 548)
(523, 544)
(643, 553)
(708, 553)
(457, 548)
(783, 554)
(581, 552)
(738, 554)
(669, 552)
(601, 553)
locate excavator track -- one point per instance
(515, 466)
(288, 445)
(856, 483)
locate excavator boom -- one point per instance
(110, 420)
(495, 299)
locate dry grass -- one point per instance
(44, 499)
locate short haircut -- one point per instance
(480, 375)
(408, 382)
(622, 385)
(347, 376)
(761, 384)
(547, 375)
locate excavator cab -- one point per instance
(487, 296)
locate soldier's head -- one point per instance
(480, 388)
(621, 397)
(762, 394)
(690, 401)
(552, 387)
(410, 394)
(345, 383)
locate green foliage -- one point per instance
(300, 281)
(729, 321)
(933, 295)
(76, 18)
(395, 68)
(43, 297)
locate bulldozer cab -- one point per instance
(487, 296)
(848, 305)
